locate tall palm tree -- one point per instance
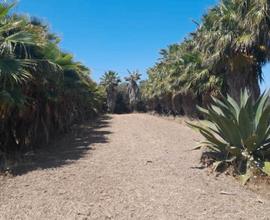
(179, 79)
(133, 89)
(42, 90)
(234, 40)
(224, 55)
(110, 81)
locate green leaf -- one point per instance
(245, 177)
(266, 168)
(5, 9)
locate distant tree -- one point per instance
(122, 100)
(133, 89)
(110, 81)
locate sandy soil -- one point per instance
(126, 167)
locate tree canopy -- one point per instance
(43, 90)
(224, 55)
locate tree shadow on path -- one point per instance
(69, 148)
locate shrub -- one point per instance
(240, 133)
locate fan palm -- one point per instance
(43, 89)
(224, 55)
(133, 89)
(110, 81)
(233, 39)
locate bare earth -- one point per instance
(126, 167)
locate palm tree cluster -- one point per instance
(42, 89)
(121, 97)
(223, 56)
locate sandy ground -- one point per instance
(126, 167)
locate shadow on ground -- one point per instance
(68, 148)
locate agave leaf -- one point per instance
(259, 106)
(212, 139)
(199, 147)
(244, 97)
(258, 101)
(231, 159)
(229, 130)
(217, 110)
(224, 106)
(245, 177)
(245, 124)
(263, 126)
(211, 126)
(217, 164)
(203, 110)
(206, 132)
(234, 107)
(266, 168)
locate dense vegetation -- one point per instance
(211, 68)
(110, 81)
(224, 55)
(43, 91)
(122, 97)
(238, 134)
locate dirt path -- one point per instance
(128, 167)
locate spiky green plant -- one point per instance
(239, 132)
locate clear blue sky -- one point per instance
(119, 34)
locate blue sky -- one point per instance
(119, 34)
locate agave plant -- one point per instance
(239, 132)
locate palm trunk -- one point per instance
(166, 104)
(133, 91)
(189, 105)
(111, 99)
(242, 76)
(237, 82)
(177, 103)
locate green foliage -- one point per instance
(42, 89)
(133, 89)
(240, 132)
(109, 81)
(224, 55)
(122, 97)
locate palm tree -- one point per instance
(233, 38)
(110, 81)
(133, 89)
(42, 90)
(179, 80)
(224, 55)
